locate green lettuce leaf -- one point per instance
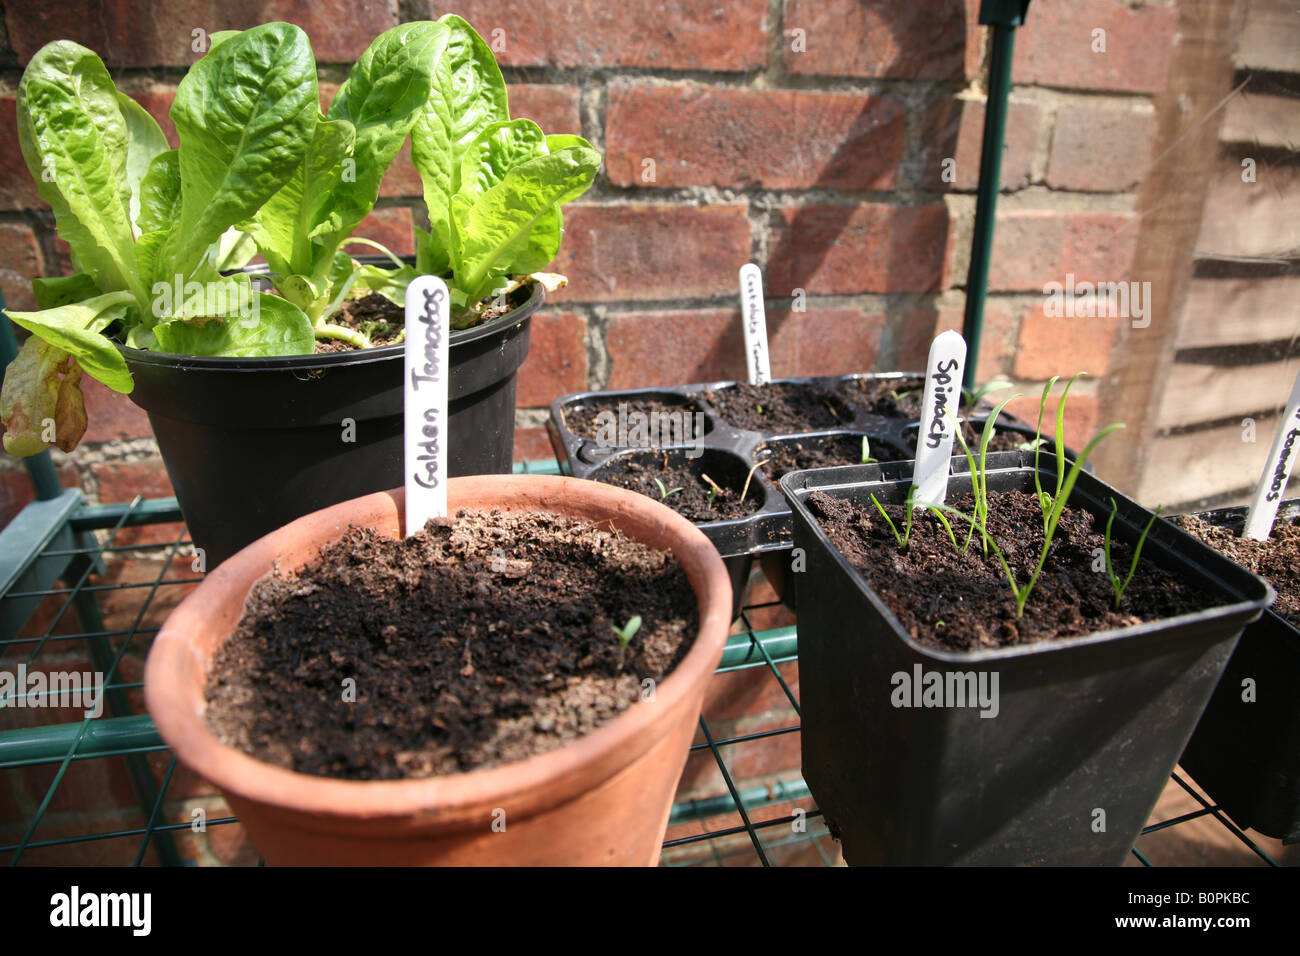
(272, 326)
(246, 114)
(74, 139)
(466, 94)
(77, 329)
(493, 230)
(144, 141)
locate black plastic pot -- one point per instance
(767, 531)
(251, 444)
(1083, 724)
(1246, 754)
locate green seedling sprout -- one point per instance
(665, 492)
(978, 470)
(866, 451)
(1115, 583)
(973, 397)
(908, 506)
(1052, 505)
(628, 630)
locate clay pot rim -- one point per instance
(175, 699)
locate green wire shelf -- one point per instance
(52, 561)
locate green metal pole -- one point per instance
(1004, 17)
(40, 469)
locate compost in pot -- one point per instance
(481, 640)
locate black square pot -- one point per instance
(1087, 729)
(1246, 753)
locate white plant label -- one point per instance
(754, 320)
(428, 327)
(1277, 472)
(937, 429)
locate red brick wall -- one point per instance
(810, 137)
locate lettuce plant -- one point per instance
(260, 168)
(493, 186)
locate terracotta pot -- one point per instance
(602, 800)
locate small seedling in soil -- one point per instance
(979, 472)
(1121, 586)
(866, 451)
(908, 505)
(665, 492)
(1051, 504)
(714, 490)
(628, 630)
(973, 397)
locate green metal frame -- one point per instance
(51, 550)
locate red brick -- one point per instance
(651, 251)
(1032, 247)
(20, 262)
(870, 247)
(775, 139)
(122, 481)
(672, 35)
(749, 693)
(883, 38)
(997, 344)
(1054, 47)
(557, 359)
(954, 129)
(824, 341)
(1051, 345)
(1100, 149)
(554, 108)
(1081, 414)
(401, 178)
(532, 444)
(391, 227)
(111, 415)
(159, 32)
(674, 348)
(119, 608)
(766, 756)
(118, 851)
(17, 188)
(159, 104)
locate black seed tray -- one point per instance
(728, 452)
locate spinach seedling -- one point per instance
(979, 471)
(1052, 505)
(628, 630)
(908, 506)
(714, 490)
(1120, 586)
(664, 491)
(866, 451)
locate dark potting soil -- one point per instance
(963, 602)
(481, 640)
(384, 319)
(381, 318)
(675, 421)
(688, 474)
(1277, 560)
(779, 407)
(821, 452)
(892, 398)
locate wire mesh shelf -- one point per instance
(88, 585)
